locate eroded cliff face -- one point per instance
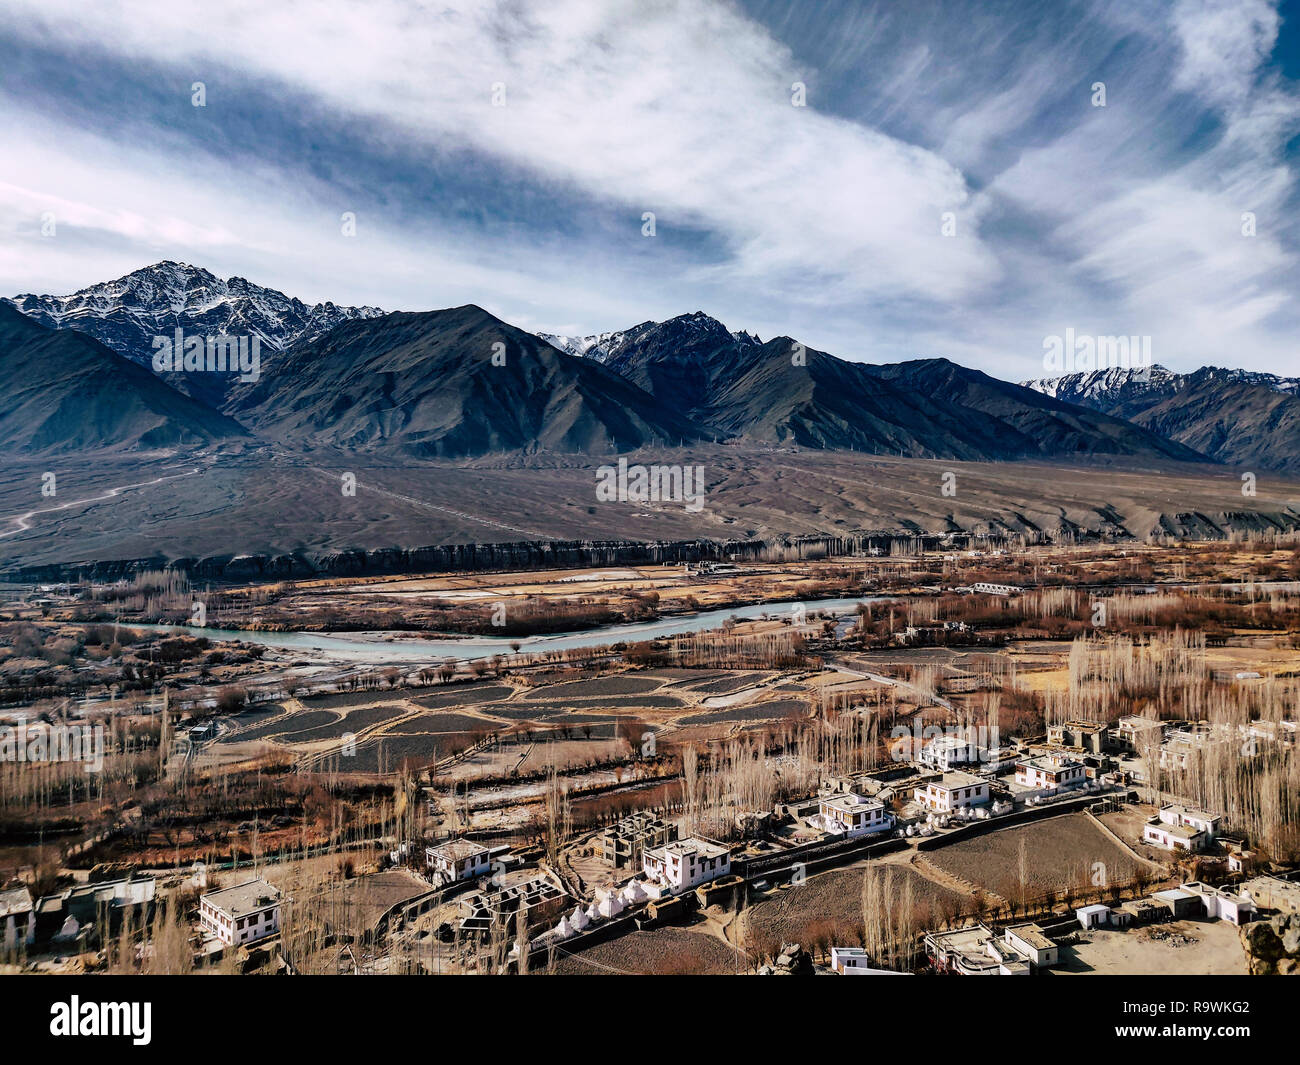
(1273, 946)
(468, 558)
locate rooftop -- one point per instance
(1181, 831)
(458, 849)
(244, 898)
(1176, 810)
(14, 901)
(1032, 934)
(692, 845)
(960, 780)
(1049, 763)
(1134, 721)
(850, 802)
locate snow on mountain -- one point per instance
(1097, 385)
(594, 347)
(603, 346)
(1102, 388)
(127, 313)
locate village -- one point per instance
(955, 780)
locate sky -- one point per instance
(882, 181)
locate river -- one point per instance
(383, 647)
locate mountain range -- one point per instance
(460, 383)
(126, 314)
(66, 392)
(1239, 417)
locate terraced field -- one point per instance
(465, 695)
(597, 686)
(770, 711)
(285, 723)
(434, 723)
(353, 722)
(1060, 852)
(657, 952)
(835, 898)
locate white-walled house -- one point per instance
(1030, 942)
(1098, 915)
(685, 863)
(460, 859)
(1218, 903)
(852, 814)
(854, 961)
(954, 790)
(1051, 772)
(1172, 837)
(945, 752)
(243, 914)
(1201, 820)
(1136, 733)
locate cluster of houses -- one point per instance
(68, 919)
(1021, 949)
(977, 950)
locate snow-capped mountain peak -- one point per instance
(128, 312)
(686, 328)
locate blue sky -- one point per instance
(823, 222)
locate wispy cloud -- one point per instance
(821, 221)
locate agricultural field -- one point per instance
(833, 900)
(656, 952)
(1060, 852)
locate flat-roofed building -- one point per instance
(686, 863)
(1091, 736)
(945, 752)
(458, 859)
(1051, 772)
(1235, 908)
(1273, 893)
(854, 815)
(1031, 942)
(1201, 820)
(974, 950)
(623, 843)
(952, 791)
(536, 900)
(1178, 902)
(243, 914)
(1172, 837)
(1136, 733)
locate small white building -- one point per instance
(1094, 916)
(460, 859)
(854, 961)
(1172, 837)
(1223, 905)
(953, 791)
(1051, 773)
(240, 915)
(1136, 733)
(1031, 943)
(685, 863)
(1200, 820)
(851, 814)
(945, 752)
